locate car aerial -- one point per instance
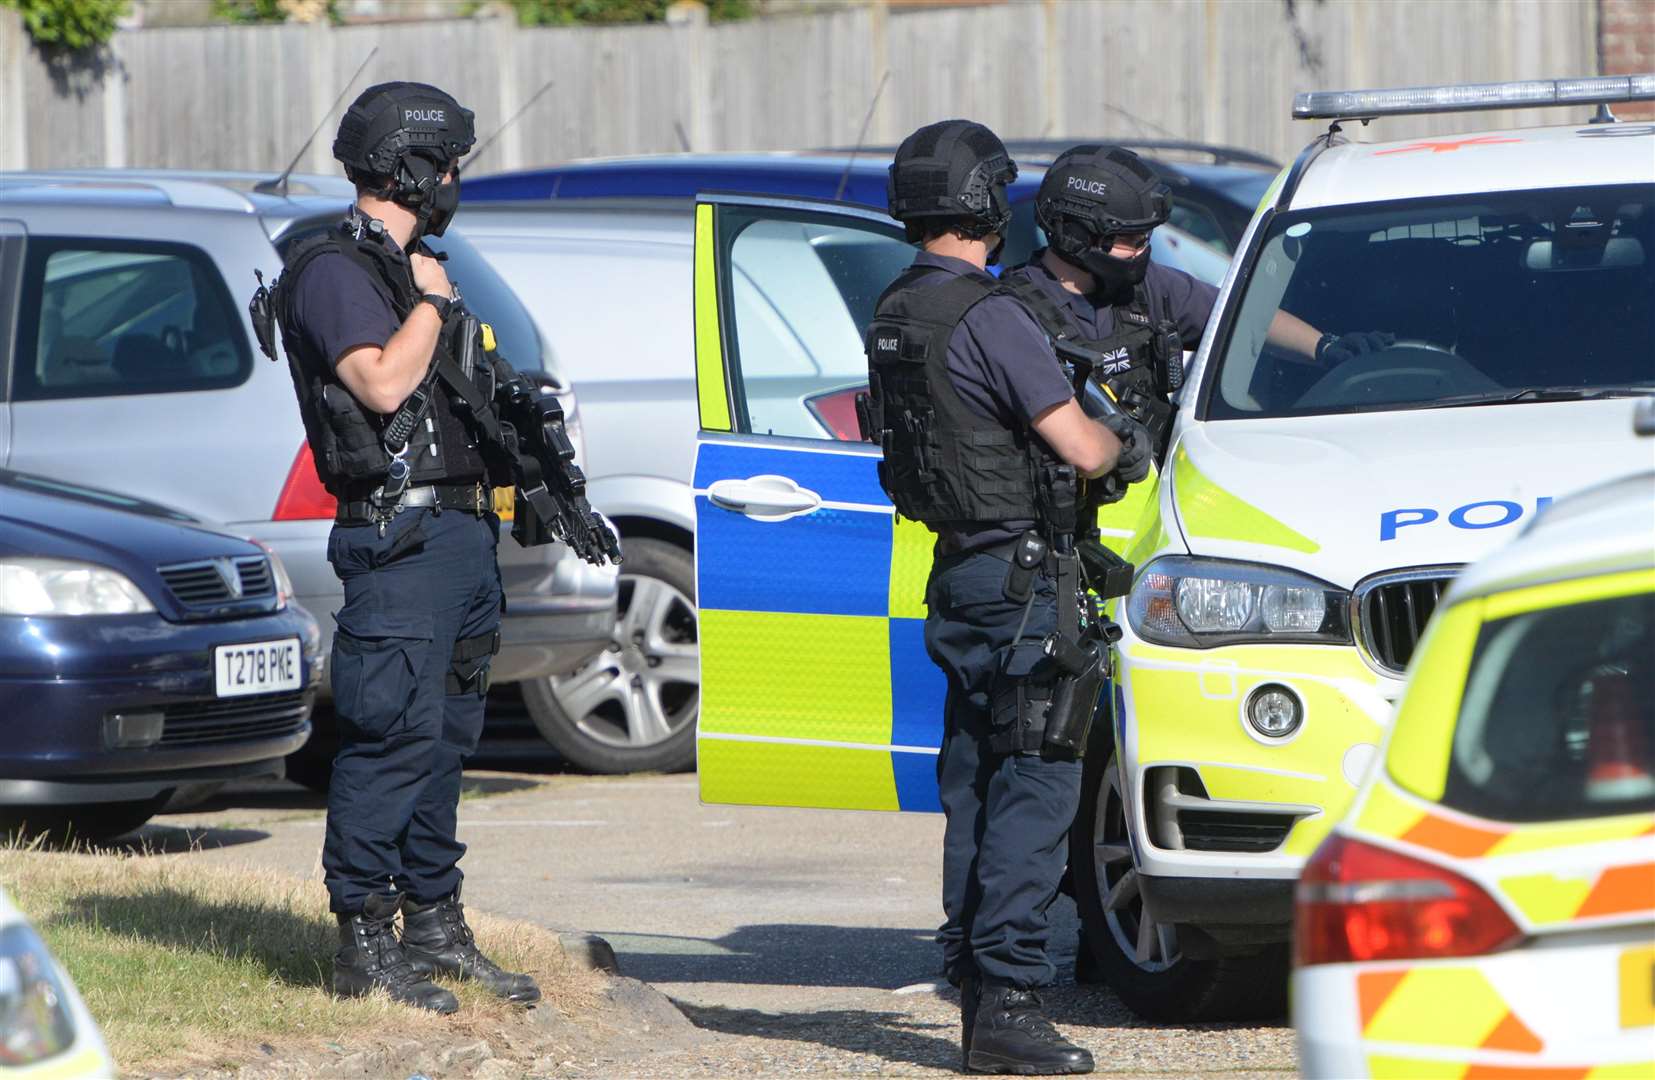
(49, 1035)
(851, 177)
(1487, 907)
(139, 653)
(123, 322)
(593, 247)
(1288, 555)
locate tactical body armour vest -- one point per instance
(347, 439)
(943, 462)
(1131, 360)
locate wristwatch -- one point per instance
(441, 303)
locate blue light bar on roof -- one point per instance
(1531, 93)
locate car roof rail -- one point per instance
(1364, 105)
(1221, 155)
(186, 194)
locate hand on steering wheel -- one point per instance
(1333, 350)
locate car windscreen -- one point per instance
(1487, 298)
(486, 294)
(1558, 718)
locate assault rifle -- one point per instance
(1107, 574)
(526, 424)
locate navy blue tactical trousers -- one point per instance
(1005, 844)
(409, 595)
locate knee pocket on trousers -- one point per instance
(377, 660)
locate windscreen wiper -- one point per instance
(1540, 393)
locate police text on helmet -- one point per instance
(1091, 187)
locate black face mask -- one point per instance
(1114, 279)
(440, 210)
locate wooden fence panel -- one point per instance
(1220, 71)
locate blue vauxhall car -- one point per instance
(140, 652)
(853, 178)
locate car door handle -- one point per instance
(771, 497)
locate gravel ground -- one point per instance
(796, 942)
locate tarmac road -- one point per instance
(800, 941)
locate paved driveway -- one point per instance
(800, 939)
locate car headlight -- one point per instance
(30, 586)
(35, 1018)
(284, 583)
(1200, 603)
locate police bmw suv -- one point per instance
(1289, 553)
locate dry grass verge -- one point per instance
(189, 967)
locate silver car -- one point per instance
(124, 326)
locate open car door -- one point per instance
(815, 686)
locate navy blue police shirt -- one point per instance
(337, 309)
(1003, 368)
(1173, 295)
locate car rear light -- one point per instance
(836, 410)
(303, 497)
(1357, 902)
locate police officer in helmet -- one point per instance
(367, 312)
(1095, 286)
(985, 442)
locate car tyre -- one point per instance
(633, 707)
(88, 823)
(1139, 959)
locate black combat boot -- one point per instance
(969, 997)
(370, 957)
(1012, 1035)
(438, 940)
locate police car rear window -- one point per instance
(1558, 718)
(1485, 295)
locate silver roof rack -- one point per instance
(1470, 97)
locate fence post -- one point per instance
(115, 116)
(883, 129)
(1057, 120)
(320, 43)
(15, 51)
(503, 30)
(690, 19)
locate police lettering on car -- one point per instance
(985, 443)
(402, 401)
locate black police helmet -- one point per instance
(1104, 190)
(952, 169)
(404, 133)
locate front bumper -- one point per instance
(1210, 799)
(63, 679)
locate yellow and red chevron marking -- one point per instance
(1545, 899)
(1390, 1067)
(1440, 1006)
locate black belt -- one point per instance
(476, 498)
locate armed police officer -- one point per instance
(985, 442)
(1125, 319)
(396, 405)
(1098, 296)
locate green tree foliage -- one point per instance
(272, 11)
(70, 24)
(611, 12)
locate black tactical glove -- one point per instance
(1136, 447)
(1333, 350)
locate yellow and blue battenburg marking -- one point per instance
(816, 687)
